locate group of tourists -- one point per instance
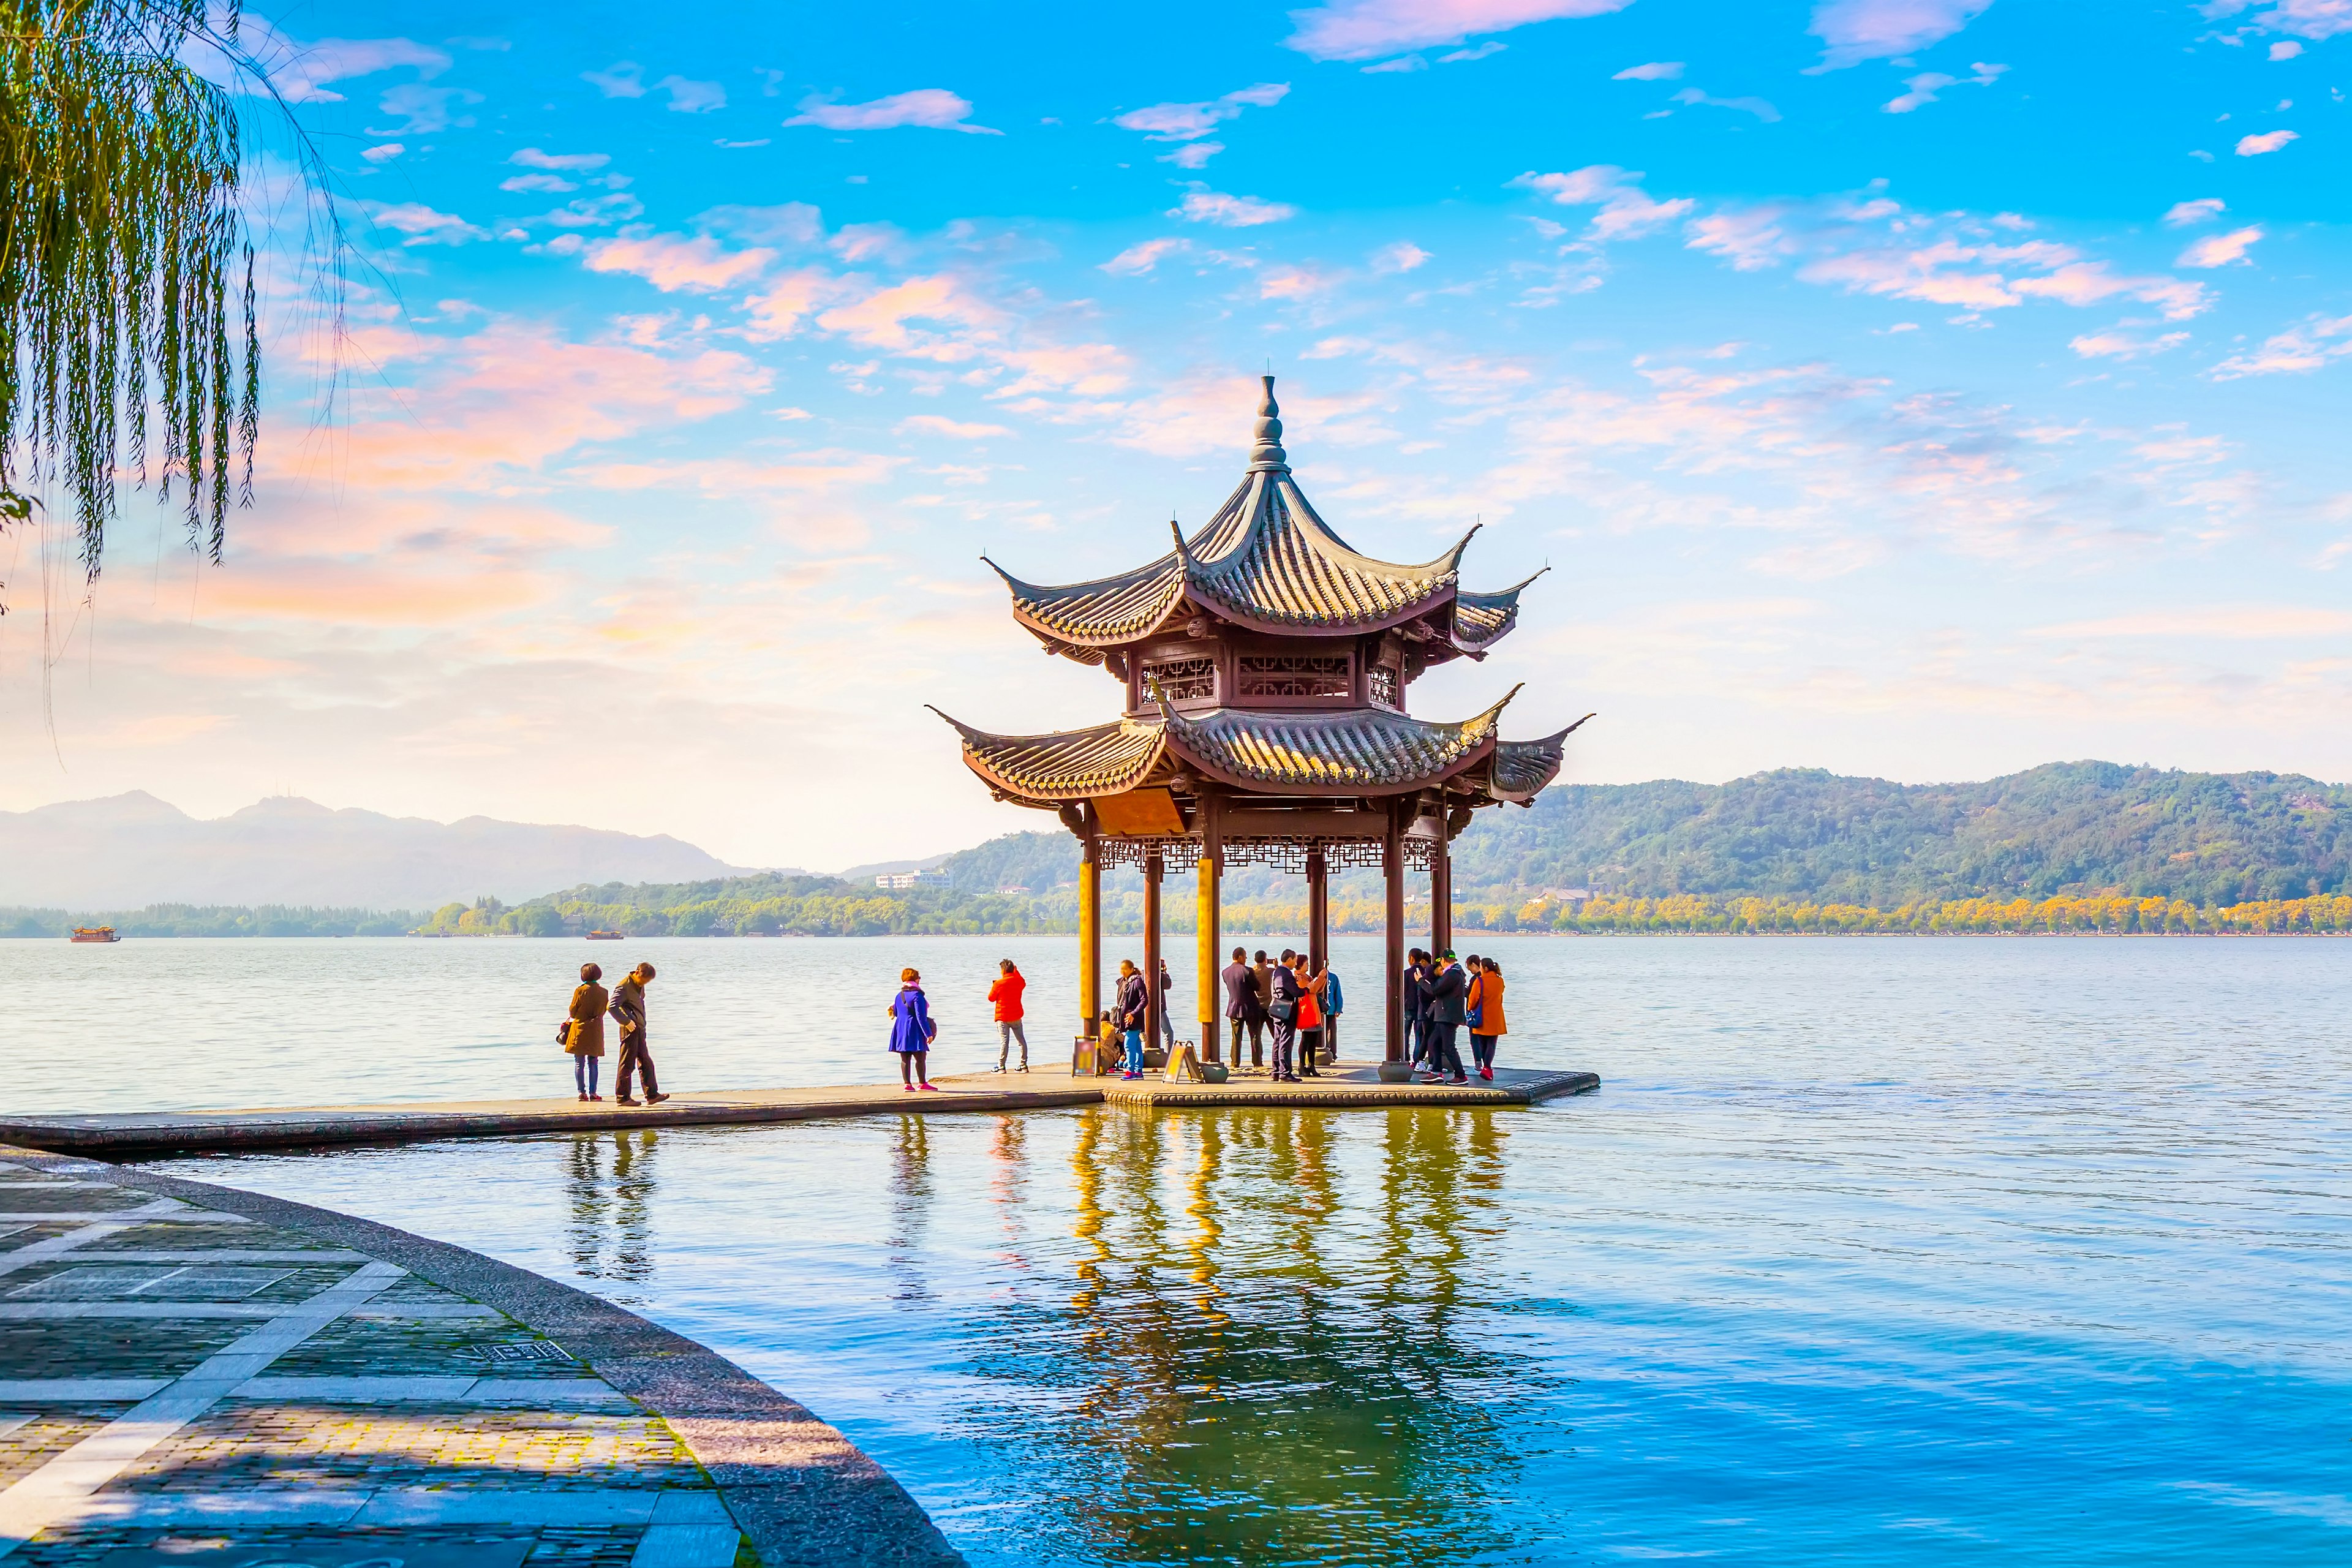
(1444, 995)
(913, 1031)
(581, 1034)
(1289, 998)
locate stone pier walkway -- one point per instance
(1350, 1085)
(192, 1377)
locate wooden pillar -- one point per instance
(1392, 875)
(1319, 910)
(1441, 892)
(1208, 926)
(1090, 937)
(1154, 1003)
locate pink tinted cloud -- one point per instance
(1852, 31)
(2220, 249)
(930, 107)
(671, 262)
(509, 398)
(1367, 30)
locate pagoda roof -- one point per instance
(1349, 752)
(1266, 560)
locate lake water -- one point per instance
(1877, 1251)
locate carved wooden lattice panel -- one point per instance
(1382, 680)
(1175, 678)
(1303, 674)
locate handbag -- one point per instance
(563, 1033)
(1474, 1012)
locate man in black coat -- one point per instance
(1416, 1005)
(1243, 1009)
(1447, 1016)
(1282, 1016)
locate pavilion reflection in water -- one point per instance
(1271, 1348)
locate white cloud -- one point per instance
(424, 109)
(532, 158)
(929, 107)
(935, 425)
(556, 184)
(1188, 121)
(422, 224)
(1367, 29)
(2114, 344)
(1758, 107)
(674, 262)
(2220, 249)
(1402, 63)
(692, 97)
(1402, 257)
(1194, 154)
(2269, 141)
(1656, 70)
(2299, 349)
(2248, 623)
(2204, 209)
(1858, 30)
(1140, 259)
(384, 153)
(1231, 211)
(593, 212)
(624, 80)
(300, 72)
(2315, 19)
(2285, 50)
(1460, 57)
(1626, 212)
(1923, 89)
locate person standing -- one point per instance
(1282, 1016)
(583, 1029)
(1333, 1001)
(1416, 1006)
(1167, 1020)
(1261, 979)
(1310, 1014)
(1134, 998)
(1491, 1023)
(637, 1053)
(1446, 1014)
(1004, 993)
(912, 1032)
(1242, 1010)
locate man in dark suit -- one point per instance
(1416, 1006)
(1243, 1009)
(1447, 1016)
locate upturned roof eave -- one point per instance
(1337, 789)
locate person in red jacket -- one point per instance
(1006, 996)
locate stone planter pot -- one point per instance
(1396, 1072)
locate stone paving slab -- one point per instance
(1346, 1087)
(363, 1387)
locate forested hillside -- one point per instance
(2066, 829)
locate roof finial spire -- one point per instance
(1268, 454)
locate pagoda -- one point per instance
(1266, 668)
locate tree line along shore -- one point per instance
(883, 915)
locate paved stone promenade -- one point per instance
(186, 1386)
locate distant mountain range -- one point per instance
(130, 850)
(2069, 828)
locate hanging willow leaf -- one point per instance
(128, 341)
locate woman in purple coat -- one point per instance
(912, 1032)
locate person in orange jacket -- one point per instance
(1005, 994)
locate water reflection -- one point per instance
(1260, 1360)
(610, 1185)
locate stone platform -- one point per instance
(195, 1377)
(1347, 1086)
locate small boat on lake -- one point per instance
(608, 936)
(93, 933)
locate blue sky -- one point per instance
(1922, 388)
